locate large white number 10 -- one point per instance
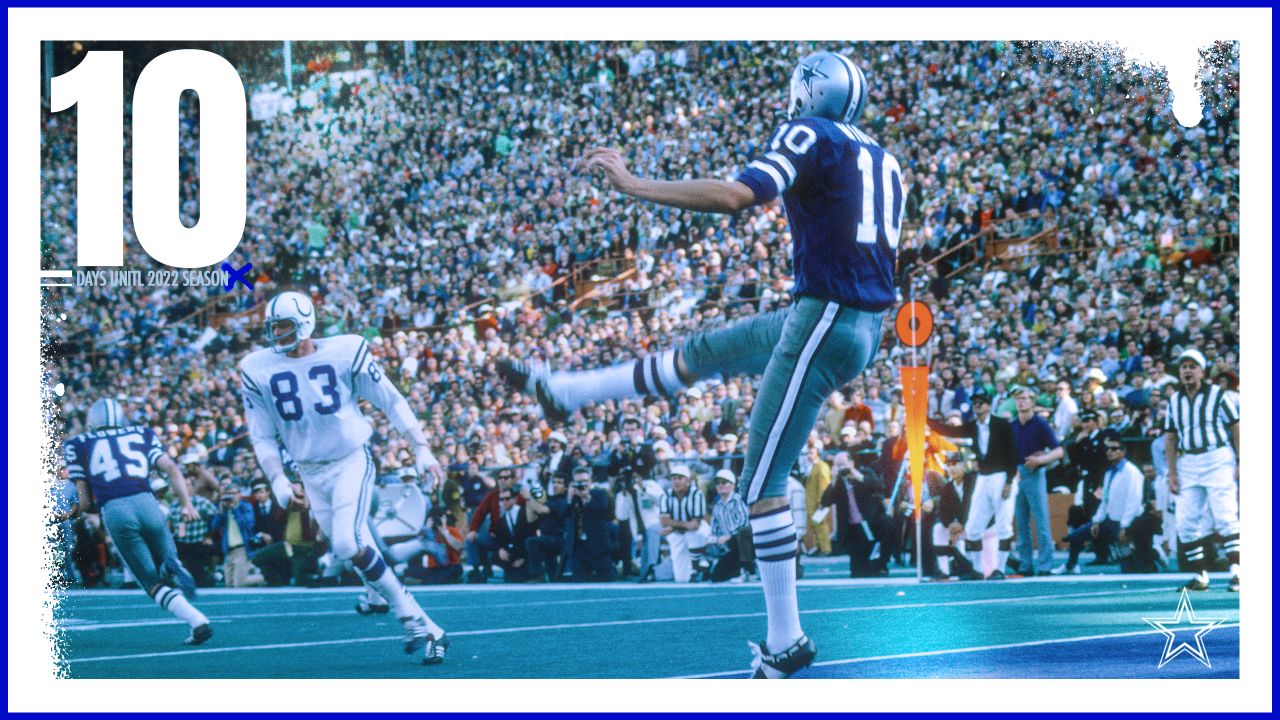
(892, 222)
(96, 85)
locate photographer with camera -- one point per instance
(545, 513)
(856, 497)
(439, 544)
(632, 451)
(586, 543)
(239, 539)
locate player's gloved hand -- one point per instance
(429, 470)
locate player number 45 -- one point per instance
(96, 87)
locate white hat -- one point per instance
(694, 393)
(158, 484)
(848, 430)
(662, 446)
(658, 432)
(1096, 374)
(558, 437)
(681, 470)
(726, 474)
(1193, 354)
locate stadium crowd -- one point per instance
(432, 204)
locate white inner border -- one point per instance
(31, 686)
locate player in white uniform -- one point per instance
(302, 393)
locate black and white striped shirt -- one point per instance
(1202, 421)
(693, 506)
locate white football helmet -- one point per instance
(291, 307)
(827, 85)
(105, 413)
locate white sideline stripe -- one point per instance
(81, 624)
(816, 336)
(616, 623)
(957, 651)
(840, 582)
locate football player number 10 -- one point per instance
(96, 88)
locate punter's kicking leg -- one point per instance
(741, 348)
(822, 346)
(341, 508)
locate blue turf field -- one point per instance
(1077, 627)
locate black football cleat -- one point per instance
(435, 649)
(784, 664)
(995, 575)
(515, 374)
(1234, 584)
(525, 378)
(364, 607)
(1198, 583)
(199, 634)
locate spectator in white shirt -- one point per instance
(1121, 504)
(1066, 412)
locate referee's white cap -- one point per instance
(1193, 354)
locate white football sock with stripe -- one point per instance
(774, 536)
(173, 602)
(379, 578)
(650, 375)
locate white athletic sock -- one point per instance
(653, 374)
(1235, 570)
(176, 604)
(373, 597)
(774, 536)
(576, 389)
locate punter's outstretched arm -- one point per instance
(719, 196)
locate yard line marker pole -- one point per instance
(914, 325)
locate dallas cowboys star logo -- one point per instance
(1169, 626)
(808, 73)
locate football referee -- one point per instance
(1201, 447)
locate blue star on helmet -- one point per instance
(808, 73)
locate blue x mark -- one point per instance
(237, 276)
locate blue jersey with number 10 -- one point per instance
(844, 198)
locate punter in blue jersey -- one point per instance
(109, 465)
(844, 198)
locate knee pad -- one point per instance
(344, 546)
